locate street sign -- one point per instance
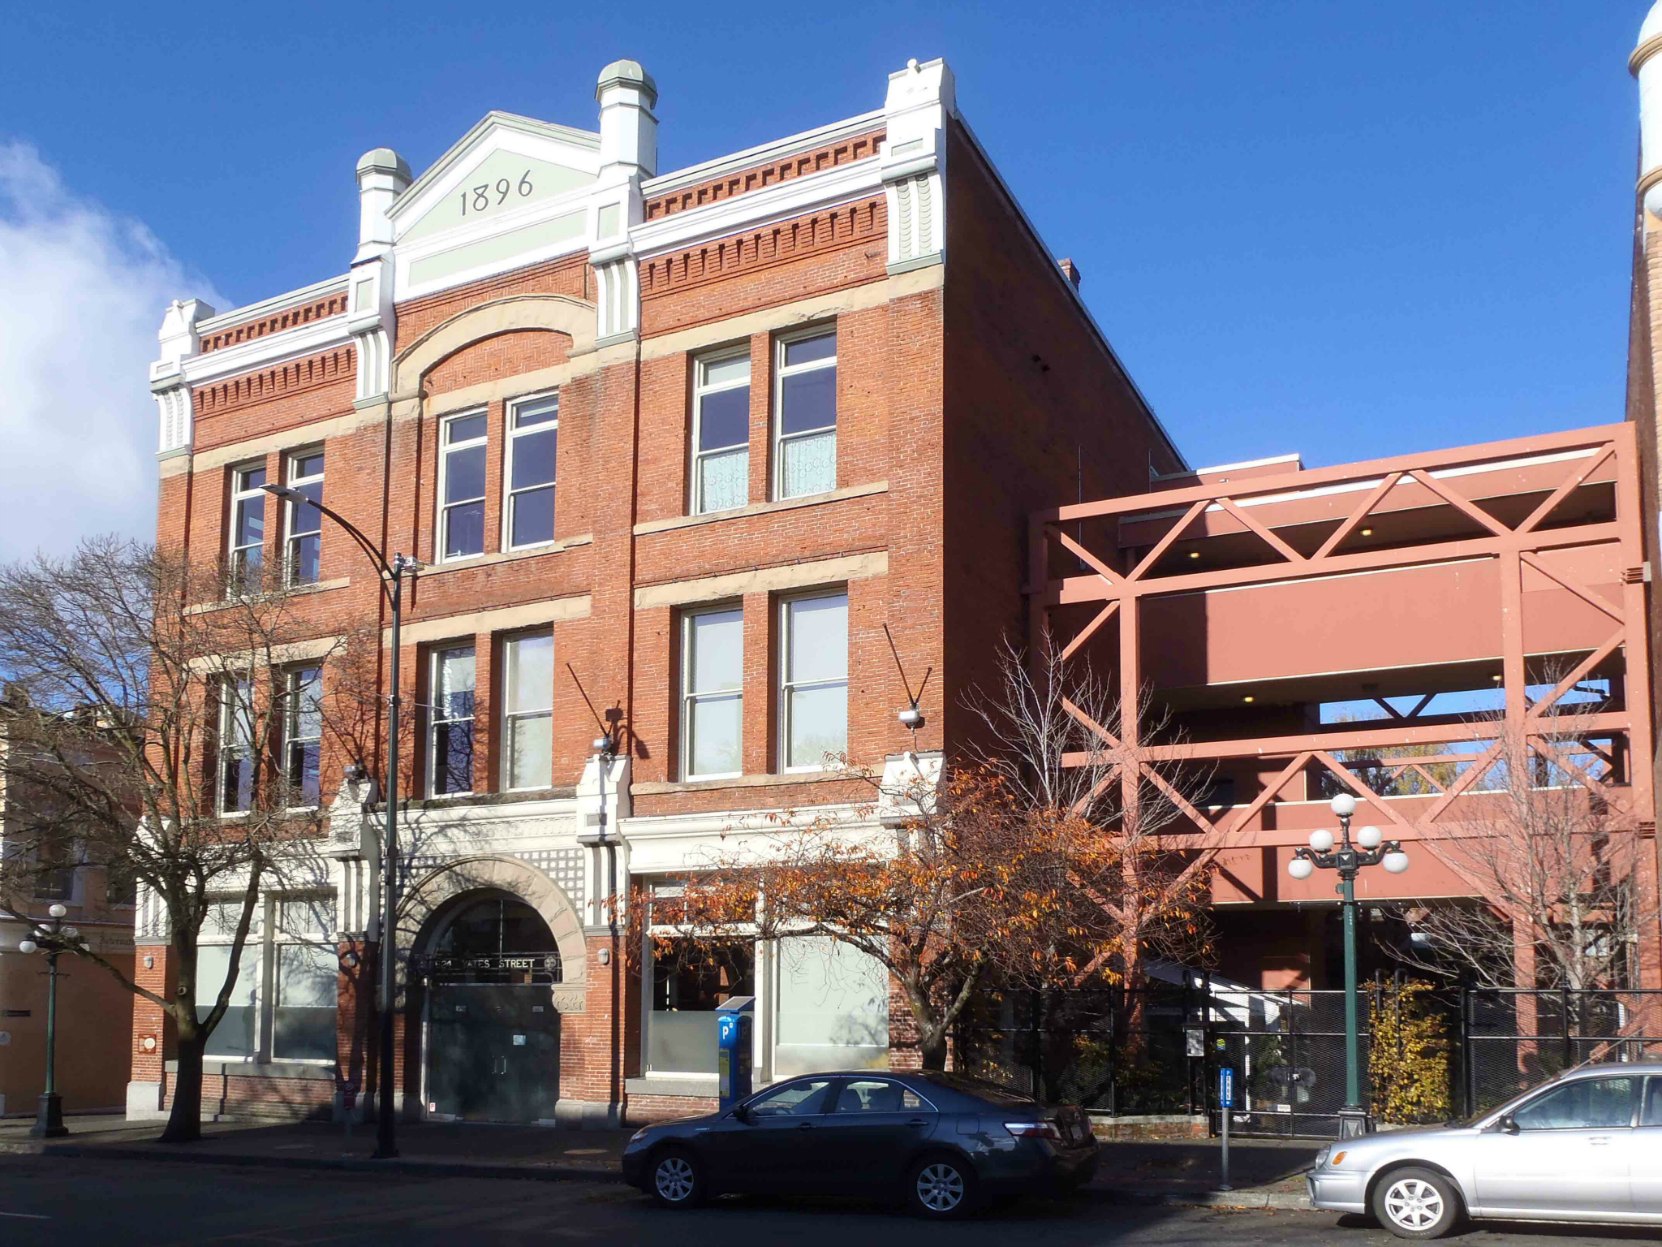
(1226, 1101)
(1226, 1087)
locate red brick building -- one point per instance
(673, 448)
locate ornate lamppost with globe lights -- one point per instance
(53, 938)
(1370, 848)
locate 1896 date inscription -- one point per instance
(481, 198)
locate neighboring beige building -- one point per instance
(94, 1011)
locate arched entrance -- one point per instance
(497, 956)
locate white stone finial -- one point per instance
(382, 177)
(628, 130)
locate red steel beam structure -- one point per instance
(1242, 606)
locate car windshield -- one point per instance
(982, 1090)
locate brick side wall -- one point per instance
(290, 318)
(1036, 414)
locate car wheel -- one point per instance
(677, 1179)
(941, 1187)
(1416, 1203)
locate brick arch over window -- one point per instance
(557, 313)
(470, 874)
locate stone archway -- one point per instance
(553, 312)
(435, 890)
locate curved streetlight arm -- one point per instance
(389, 571)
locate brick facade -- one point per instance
(950, 427)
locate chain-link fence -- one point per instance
(1157, 1051)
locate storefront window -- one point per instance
(833, 1008)
(687, 984)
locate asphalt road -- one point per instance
(64, 1202)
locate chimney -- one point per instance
(1070, 270)
(628, 130)
(382, 177)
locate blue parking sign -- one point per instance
(1226, 1087)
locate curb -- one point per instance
(359, 1164)
(1115, 1195)
(1247, 1198)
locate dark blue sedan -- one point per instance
(941, 1142)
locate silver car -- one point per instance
(1586, 1146)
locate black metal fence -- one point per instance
(1157, 1051)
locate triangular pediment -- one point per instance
(499, 171)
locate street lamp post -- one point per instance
(386, 1137)
(1369, 849)
(53, 938)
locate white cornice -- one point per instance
(858, 180)
(276, 303)
(778, 149)
(273, 348)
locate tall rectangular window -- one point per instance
(712, 693)
(237, 1037)
(533, 436)
(302, 734)
(305, 979)
(450, 722)
(813, 692)
(237, 754)
(303, 546)
(528, 711)
(462, 486)
(246, 554)
(805, 407)
(721, 433)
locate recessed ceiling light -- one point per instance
(1367, 532)
(1194, 554)
(1247, 699)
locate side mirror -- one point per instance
(741, 1114)
(1507, 1124)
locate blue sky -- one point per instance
(1339, 228)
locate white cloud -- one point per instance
(82, 291)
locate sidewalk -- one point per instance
(1264, 1173)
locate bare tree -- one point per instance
(1558, 862)
(172, 725)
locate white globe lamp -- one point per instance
(1343, 805)
(1370, 837)
(27, 946)
(1395, 862)
(1301, 868)
(1321, 840)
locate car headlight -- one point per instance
(640, 1134)
(1321, 1157)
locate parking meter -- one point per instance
(734, 1018)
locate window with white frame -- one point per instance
(246, 553)
(282, 1004)
(303, 544)
(712, 692)
(305, 979)
(237, 1037)
(238, 756)
(688, 980)
(450, 722)
(303, 734)
(805, 415)
(533, 439)
(721, 432)
(462, 486)
(813, 688)
(528, 710)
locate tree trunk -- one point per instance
(932, 1049)
(184, 1120)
